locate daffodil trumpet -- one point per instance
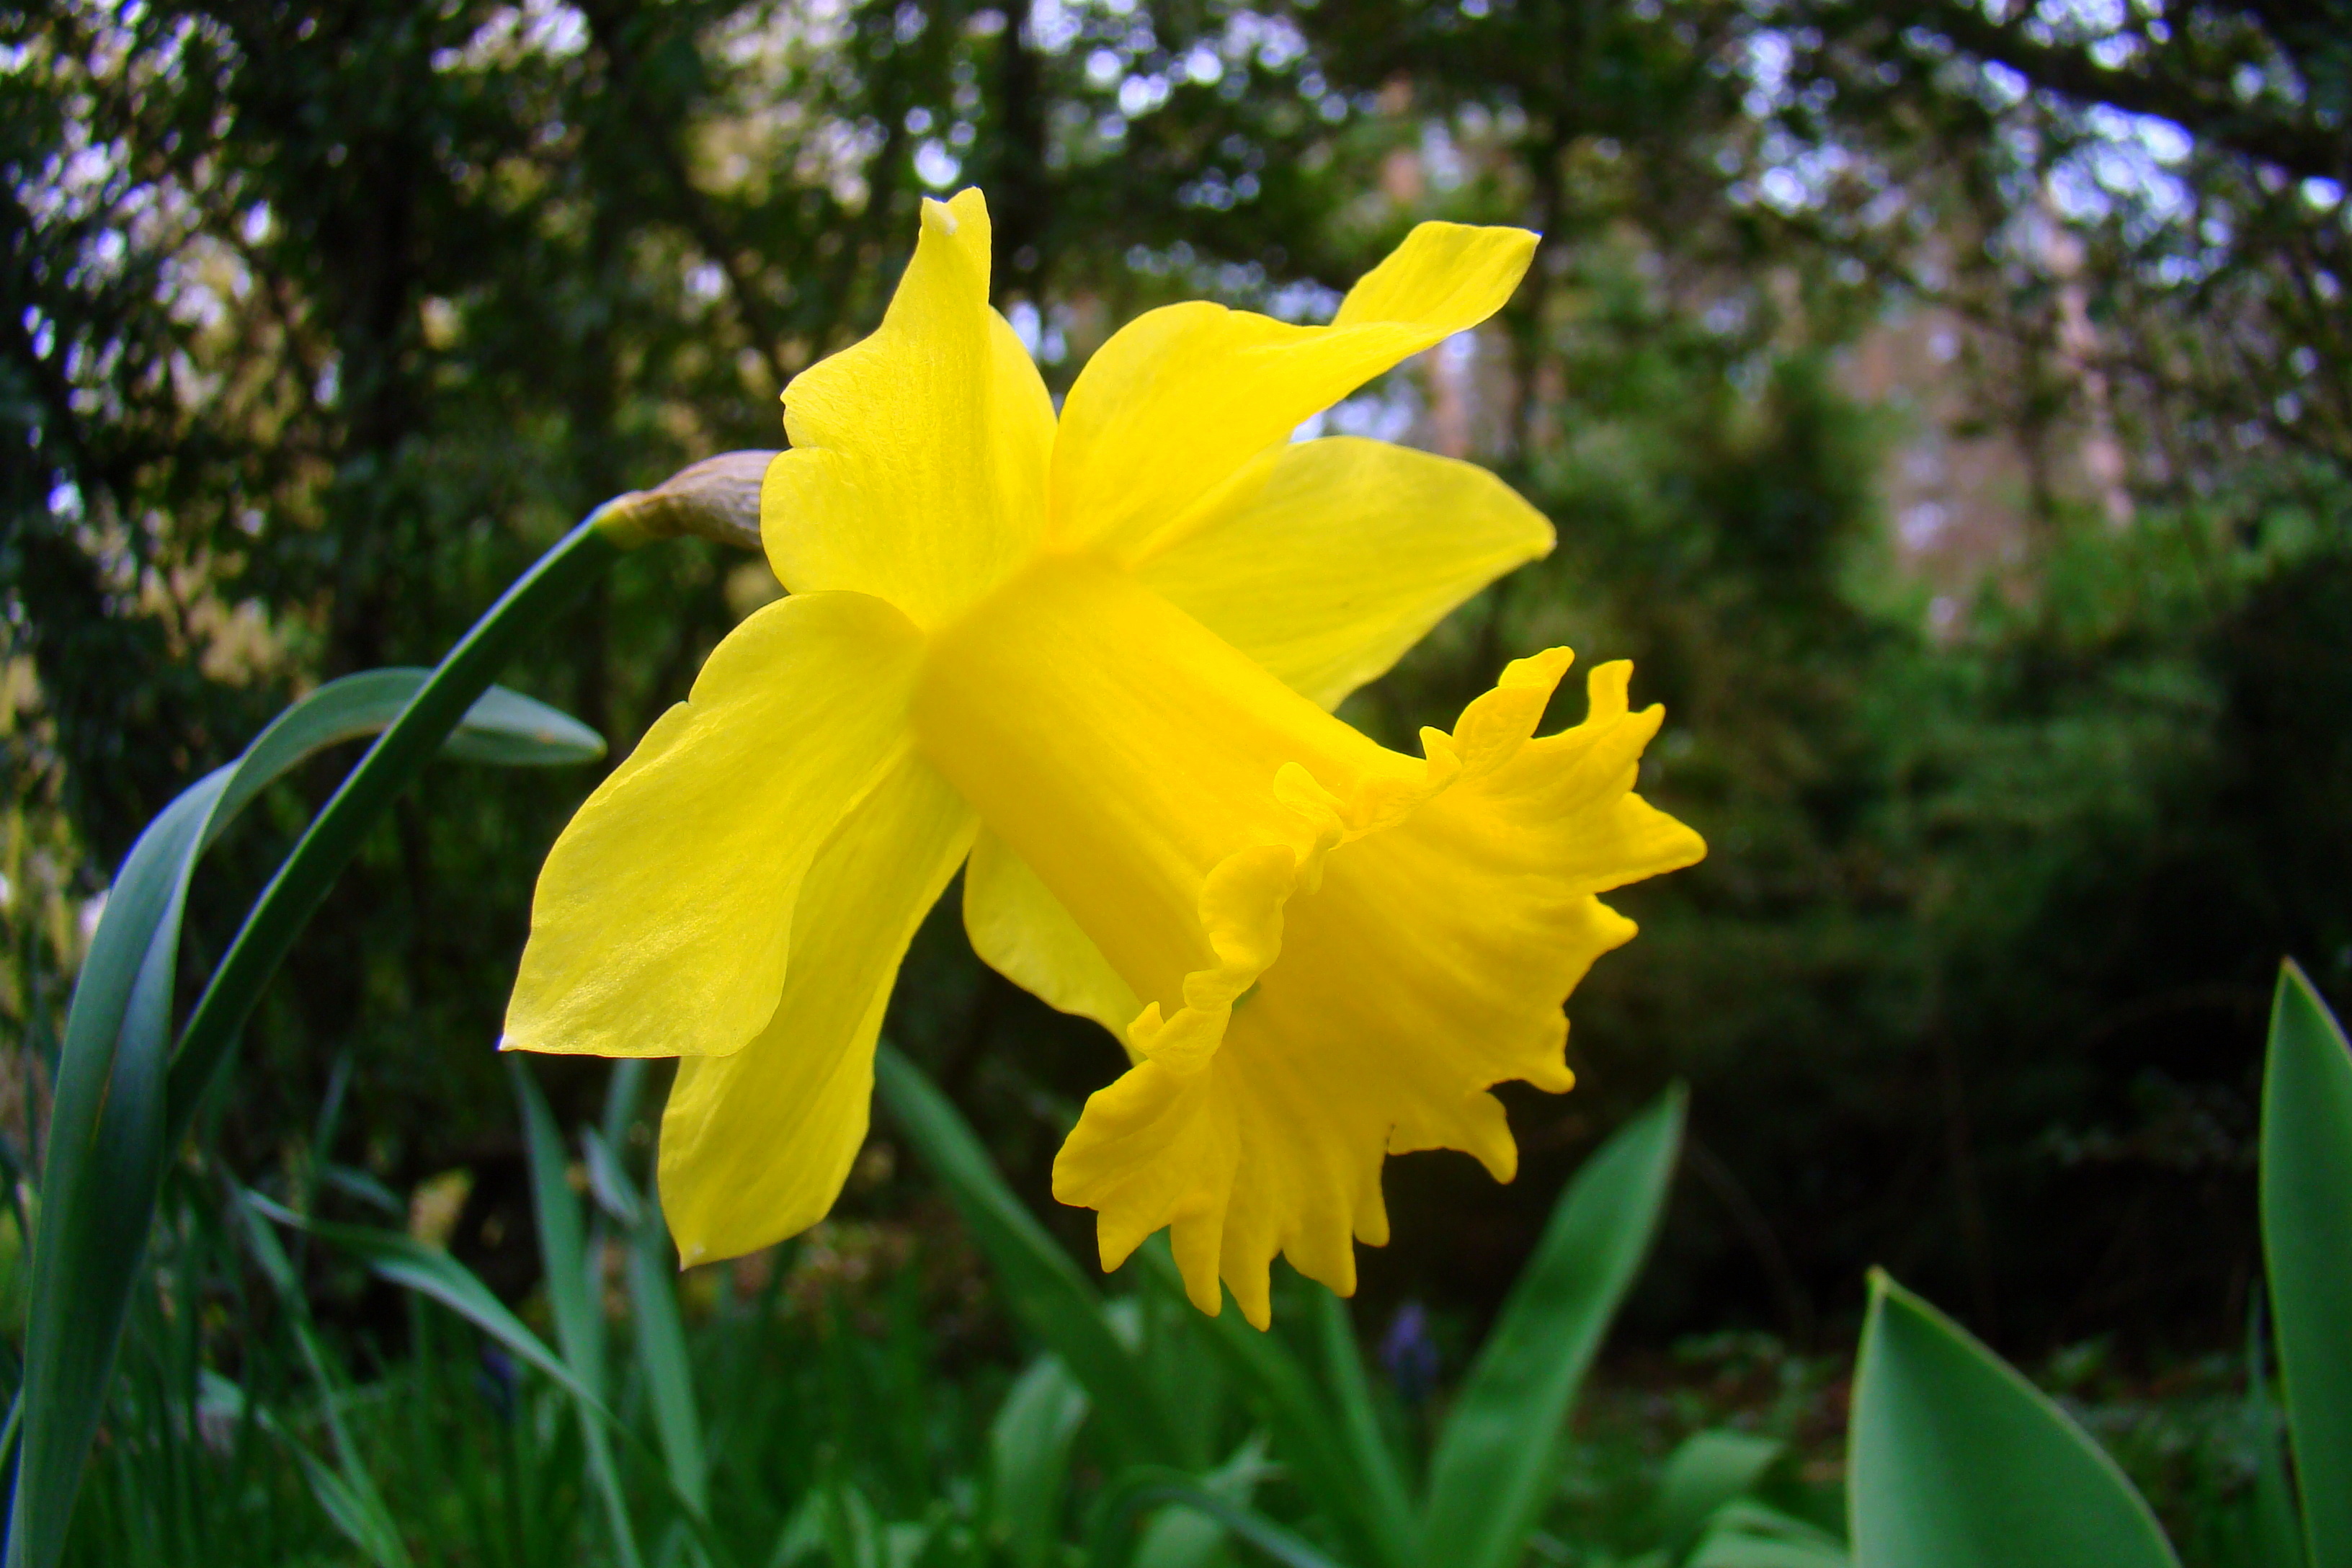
(1091, 661)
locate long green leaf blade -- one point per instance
(430, 1272)
(1956, 1461)
(1042, 1286)
(572, 1295)
(1029, 1460)
(1312, 1445)
(662, 1357)
(111, 1121)
(1368, 1447)
(1499, 1455)
(2307, 1198)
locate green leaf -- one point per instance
(2307, 1198)
(1042, 1287)
(1368, 1447)
(1707, 1471)
(347, 1491)
(1498, 1457)
(1956, 1461)
(1147, 1486)
(652, 1298)
(430, 1272)
(113, 1118)
(572, 1296)
(1180, 1537)
(1745, 1534)
(1029, 1460)
(662, 1357)
(445, 700)
(507, 730)
(2277, 1529)
(1313, 1446)
(433, 1273)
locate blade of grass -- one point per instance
(652, 1273)
(111, 1120)
(661, 1351)
(347, 1492)
(2307, 1199)
(1497, 1456)
(434, 1274)
(572, 1295)
(1042, 1287)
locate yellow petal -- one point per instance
(1021, 930)
(664, 914)
(918, 468)
(1178, 399)
(1327, 560)
(1338, 948)
(755, 1146)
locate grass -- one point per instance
(847, 1386)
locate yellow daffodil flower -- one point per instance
(1090, 661)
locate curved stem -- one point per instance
(302, 880)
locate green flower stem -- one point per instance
(294, 894)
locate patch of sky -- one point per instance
(1140, 95)
(1441, 160)
(2123, 169)
(1301, 300)
(1999, 87)
(549, 28)
(1385, 412)
(1045, 335)
(1765, 62)
(1273, 41)
(935, 166)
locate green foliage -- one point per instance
(1498, 1452)
(1497, 1458)
(2307, 1238)
(112, 1126)
(1958, 1459)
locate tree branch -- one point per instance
(2304, 149)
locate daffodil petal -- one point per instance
(755, 1146)
(664, 914)
(1325, 561)
(918, 467)
(1178, 400)
(1021, 930)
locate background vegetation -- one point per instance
(1946, 407)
